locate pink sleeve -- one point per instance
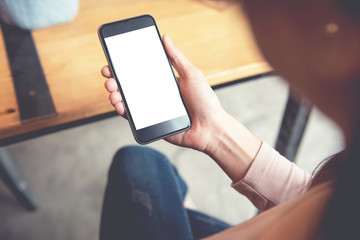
(272, 179)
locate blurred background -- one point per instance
(68, 170)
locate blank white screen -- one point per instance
(145, 76)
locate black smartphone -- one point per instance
(146, 81)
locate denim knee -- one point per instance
(143, 166)
(137, 161)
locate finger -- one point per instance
(116, 100)
(105, 71)
(182, 65)
(115, 97)
(111, 85)
(119, 107)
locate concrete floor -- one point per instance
(67, 170)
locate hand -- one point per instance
(202, 103)
(213, 131)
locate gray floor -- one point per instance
(67, 170)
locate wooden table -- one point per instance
(219, 42)
(67, 59)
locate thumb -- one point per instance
(182, 65)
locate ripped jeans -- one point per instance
(144, 200)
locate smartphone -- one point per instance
(146, 81)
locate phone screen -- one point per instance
(147, 81)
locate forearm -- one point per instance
(232, 146)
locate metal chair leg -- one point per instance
(15, 181)
(293, 125)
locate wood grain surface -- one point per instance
(217, 40)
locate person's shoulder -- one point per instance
(301, 220)
(298, 218)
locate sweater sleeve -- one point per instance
(272, 179)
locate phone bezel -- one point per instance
(160, 130)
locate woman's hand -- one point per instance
(202, 103)
(213, 131)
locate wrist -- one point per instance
(233, 147)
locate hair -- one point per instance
(351, 7)
(340, 220)
(328, 169)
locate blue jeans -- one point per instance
(144, 200)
